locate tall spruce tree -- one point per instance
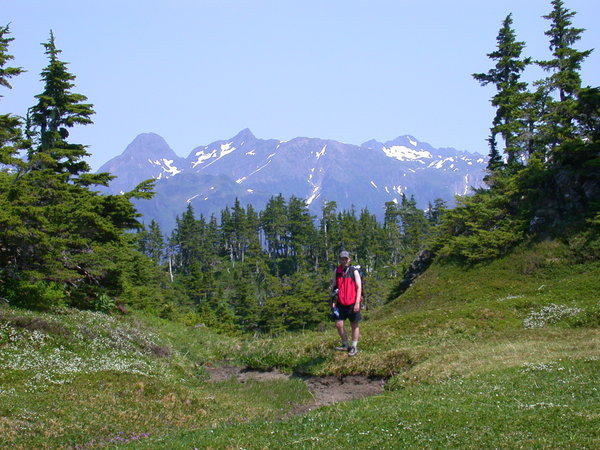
(510, 95)
(564, 82)
(57, 109)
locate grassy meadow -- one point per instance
(504, 354)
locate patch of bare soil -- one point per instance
(224, 373)
(325, 390)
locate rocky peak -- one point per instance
(149, 145)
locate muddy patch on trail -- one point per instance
(328, 390)
(224, 373)
(325, 390)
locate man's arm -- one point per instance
(358, 290)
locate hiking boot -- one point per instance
(352, 351)
(342, 348)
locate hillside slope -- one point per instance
(501, 354)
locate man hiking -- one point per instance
(347, 283)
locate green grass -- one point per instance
(546, 405)
(81, 378)
(472, 315)
(503, 354)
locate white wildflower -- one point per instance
(549, 314)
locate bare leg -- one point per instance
(340, 328)
(355, 331)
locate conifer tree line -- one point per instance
(544, 161)
(270, 270)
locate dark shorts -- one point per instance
(347, 312)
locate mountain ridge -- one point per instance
(315, 169)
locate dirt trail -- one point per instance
(325, 390)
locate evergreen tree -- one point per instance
(71, 238)
(151, 242)
(392, 233)
(11, 138)
(511, 94)
(252, 233)
(274, 225)
(185, 242)
(57, 110)
(349, 231)
(367, 250)
(11, 141)
(564, 81)
(239, 242)
(244, 300)
(300, 233)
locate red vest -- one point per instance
(346, 285)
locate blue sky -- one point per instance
(198, 71)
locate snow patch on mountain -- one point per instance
(260, 168)
(322, 152)
(412, 142)
(227, 149)
(373, 184)
(203, 157)
(314, 195)
(440, 163)
(170, 167)
(403, 153)
(166, 165)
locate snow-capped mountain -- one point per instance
(148, 156)
(318, 170)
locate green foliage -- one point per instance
(34, 294)
(269, 271)
(481, 227)
(61, 241)
(510, 98)
(550, 182)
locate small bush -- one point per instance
(102, 302)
